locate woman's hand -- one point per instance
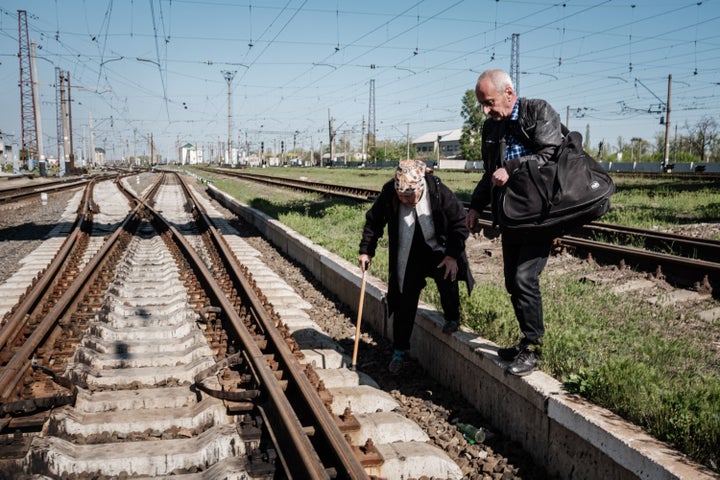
(451, 268)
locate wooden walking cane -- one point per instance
(359, 319)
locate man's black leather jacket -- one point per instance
(538, 128)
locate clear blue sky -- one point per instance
(142, 67)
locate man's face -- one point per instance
(410, 199)
(496, 105)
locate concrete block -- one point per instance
(387, 427)
(627, 445)
(361, 399)
(326, 358)
(415, 460)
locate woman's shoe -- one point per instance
(396, 363)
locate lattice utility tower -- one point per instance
(371, 122)
(27, 93)
(515, 62)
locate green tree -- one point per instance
(703, 136)
(394, 150)
(471, 138)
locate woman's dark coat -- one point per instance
(450, 231)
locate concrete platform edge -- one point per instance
(570, 437)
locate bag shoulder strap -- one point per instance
(534, 171)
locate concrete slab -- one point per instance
(151, 458)
(294, 318)
(147, 398)
(628, 445)
(140, 359)
(710, 315)
(326, 358)
(633, 286)
(679, 296)
(314, 338)
(415, 460)
(361, 399)
(143, 345)
(199, 415)
(113, 334)
(123, 378)
(344, 377)
(386, 427)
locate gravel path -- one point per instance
(24, 226)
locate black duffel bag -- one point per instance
(568, 191)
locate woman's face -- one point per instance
(410, 199)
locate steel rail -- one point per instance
(16, 193)
(21, 360)
(40, 287)
(295, 443)
(687, 272)
(693, 264)
(325, 424)
(693, 248)
(354, 193)
(16, 367)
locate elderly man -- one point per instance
(518, 129)
(427, 232)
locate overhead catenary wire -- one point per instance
(435, 73)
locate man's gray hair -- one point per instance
(499, 78)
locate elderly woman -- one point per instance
(427, 232)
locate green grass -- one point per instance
(647, 203)
(619, 352)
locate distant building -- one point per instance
(449, 143)
(189, 155)
(99, 156)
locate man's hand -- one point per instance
(500, 177)
(451, 268)
(471, 221)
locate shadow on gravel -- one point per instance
(29, 231)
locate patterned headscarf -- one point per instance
(409, 176)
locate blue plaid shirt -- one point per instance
(513, 147)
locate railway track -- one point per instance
(147, 348)
(32, 188)
(682, 261)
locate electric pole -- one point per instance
(63, 113)
(371, 122)
(69, 115)
(408, 142)
(229, 77)
(331, 130)
(666, 156)
(38, 115)
(515, 62)
(362, 139)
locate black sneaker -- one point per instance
(508, 354)
(524, 364)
